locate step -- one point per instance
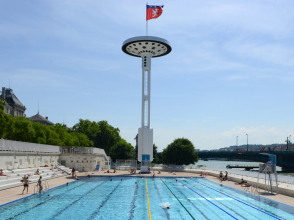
(10, 180)
(10, 185)
(32, 170)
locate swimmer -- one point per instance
(176, 181)
(135, 182)
(194, 186)
(67, 184)
(110, 179)
(121, 180)
(166, 207)
(49, 195)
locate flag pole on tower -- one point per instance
(152, 12)
(146, 22)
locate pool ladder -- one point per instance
(253, 190)
(45, 186)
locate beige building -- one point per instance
(13, 106)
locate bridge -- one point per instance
(285, 159)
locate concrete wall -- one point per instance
(18, 160)
(82, 162)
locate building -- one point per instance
(39, 118)
(16, 155)
(13, 106)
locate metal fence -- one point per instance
(84, 150)
(18, 146)
(126, 164)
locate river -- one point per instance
(220, 164)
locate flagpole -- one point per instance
(146, 21)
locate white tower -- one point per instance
(146, 47)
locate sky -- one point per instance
(230, 72)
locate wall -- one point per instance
(82, 162)
(19, 160)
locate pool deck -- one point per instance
(9, 195)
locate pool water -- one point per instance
(101, 198)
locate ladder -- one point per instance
(45, 187)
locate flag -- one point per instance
(153, 11)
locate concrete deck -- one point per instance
(12, 194)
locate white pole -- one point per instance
(146, 21)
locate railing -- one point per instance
(59, 169)
(45, 187)
(253, 190)
(83, 150)
(18, 146)
(126, 164)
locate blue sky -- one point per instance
(230, 71)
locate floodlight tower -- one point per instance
(146, 47)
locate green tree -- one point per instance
(88, 128)
(180, 151)
(154, 153)
(121, 150)
(107, 137)
(3, 120)
(23, 130)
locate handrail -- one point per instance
(59, 169)
(178, 199)
(35, 188)
(148, 200)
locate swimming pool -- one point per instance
(100, 198)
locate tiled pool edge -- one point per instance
(37, 193)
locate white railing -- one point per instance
(18, 146)
(84, 150)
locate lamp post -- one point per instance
(287, 143)
(247, 142)
(237, 142)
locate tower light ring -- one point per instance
(135, 46)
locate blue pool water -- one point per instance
(100, 198)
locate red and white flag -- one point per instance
(153, 11)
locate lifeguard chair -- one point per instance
(270, 174)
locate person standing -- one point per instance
(25, 184)
(73, 172)
(40, 184)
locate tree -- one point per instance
(107, 136)
(87, 127)
(121, 150)
(180, 151)
(154, 153)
